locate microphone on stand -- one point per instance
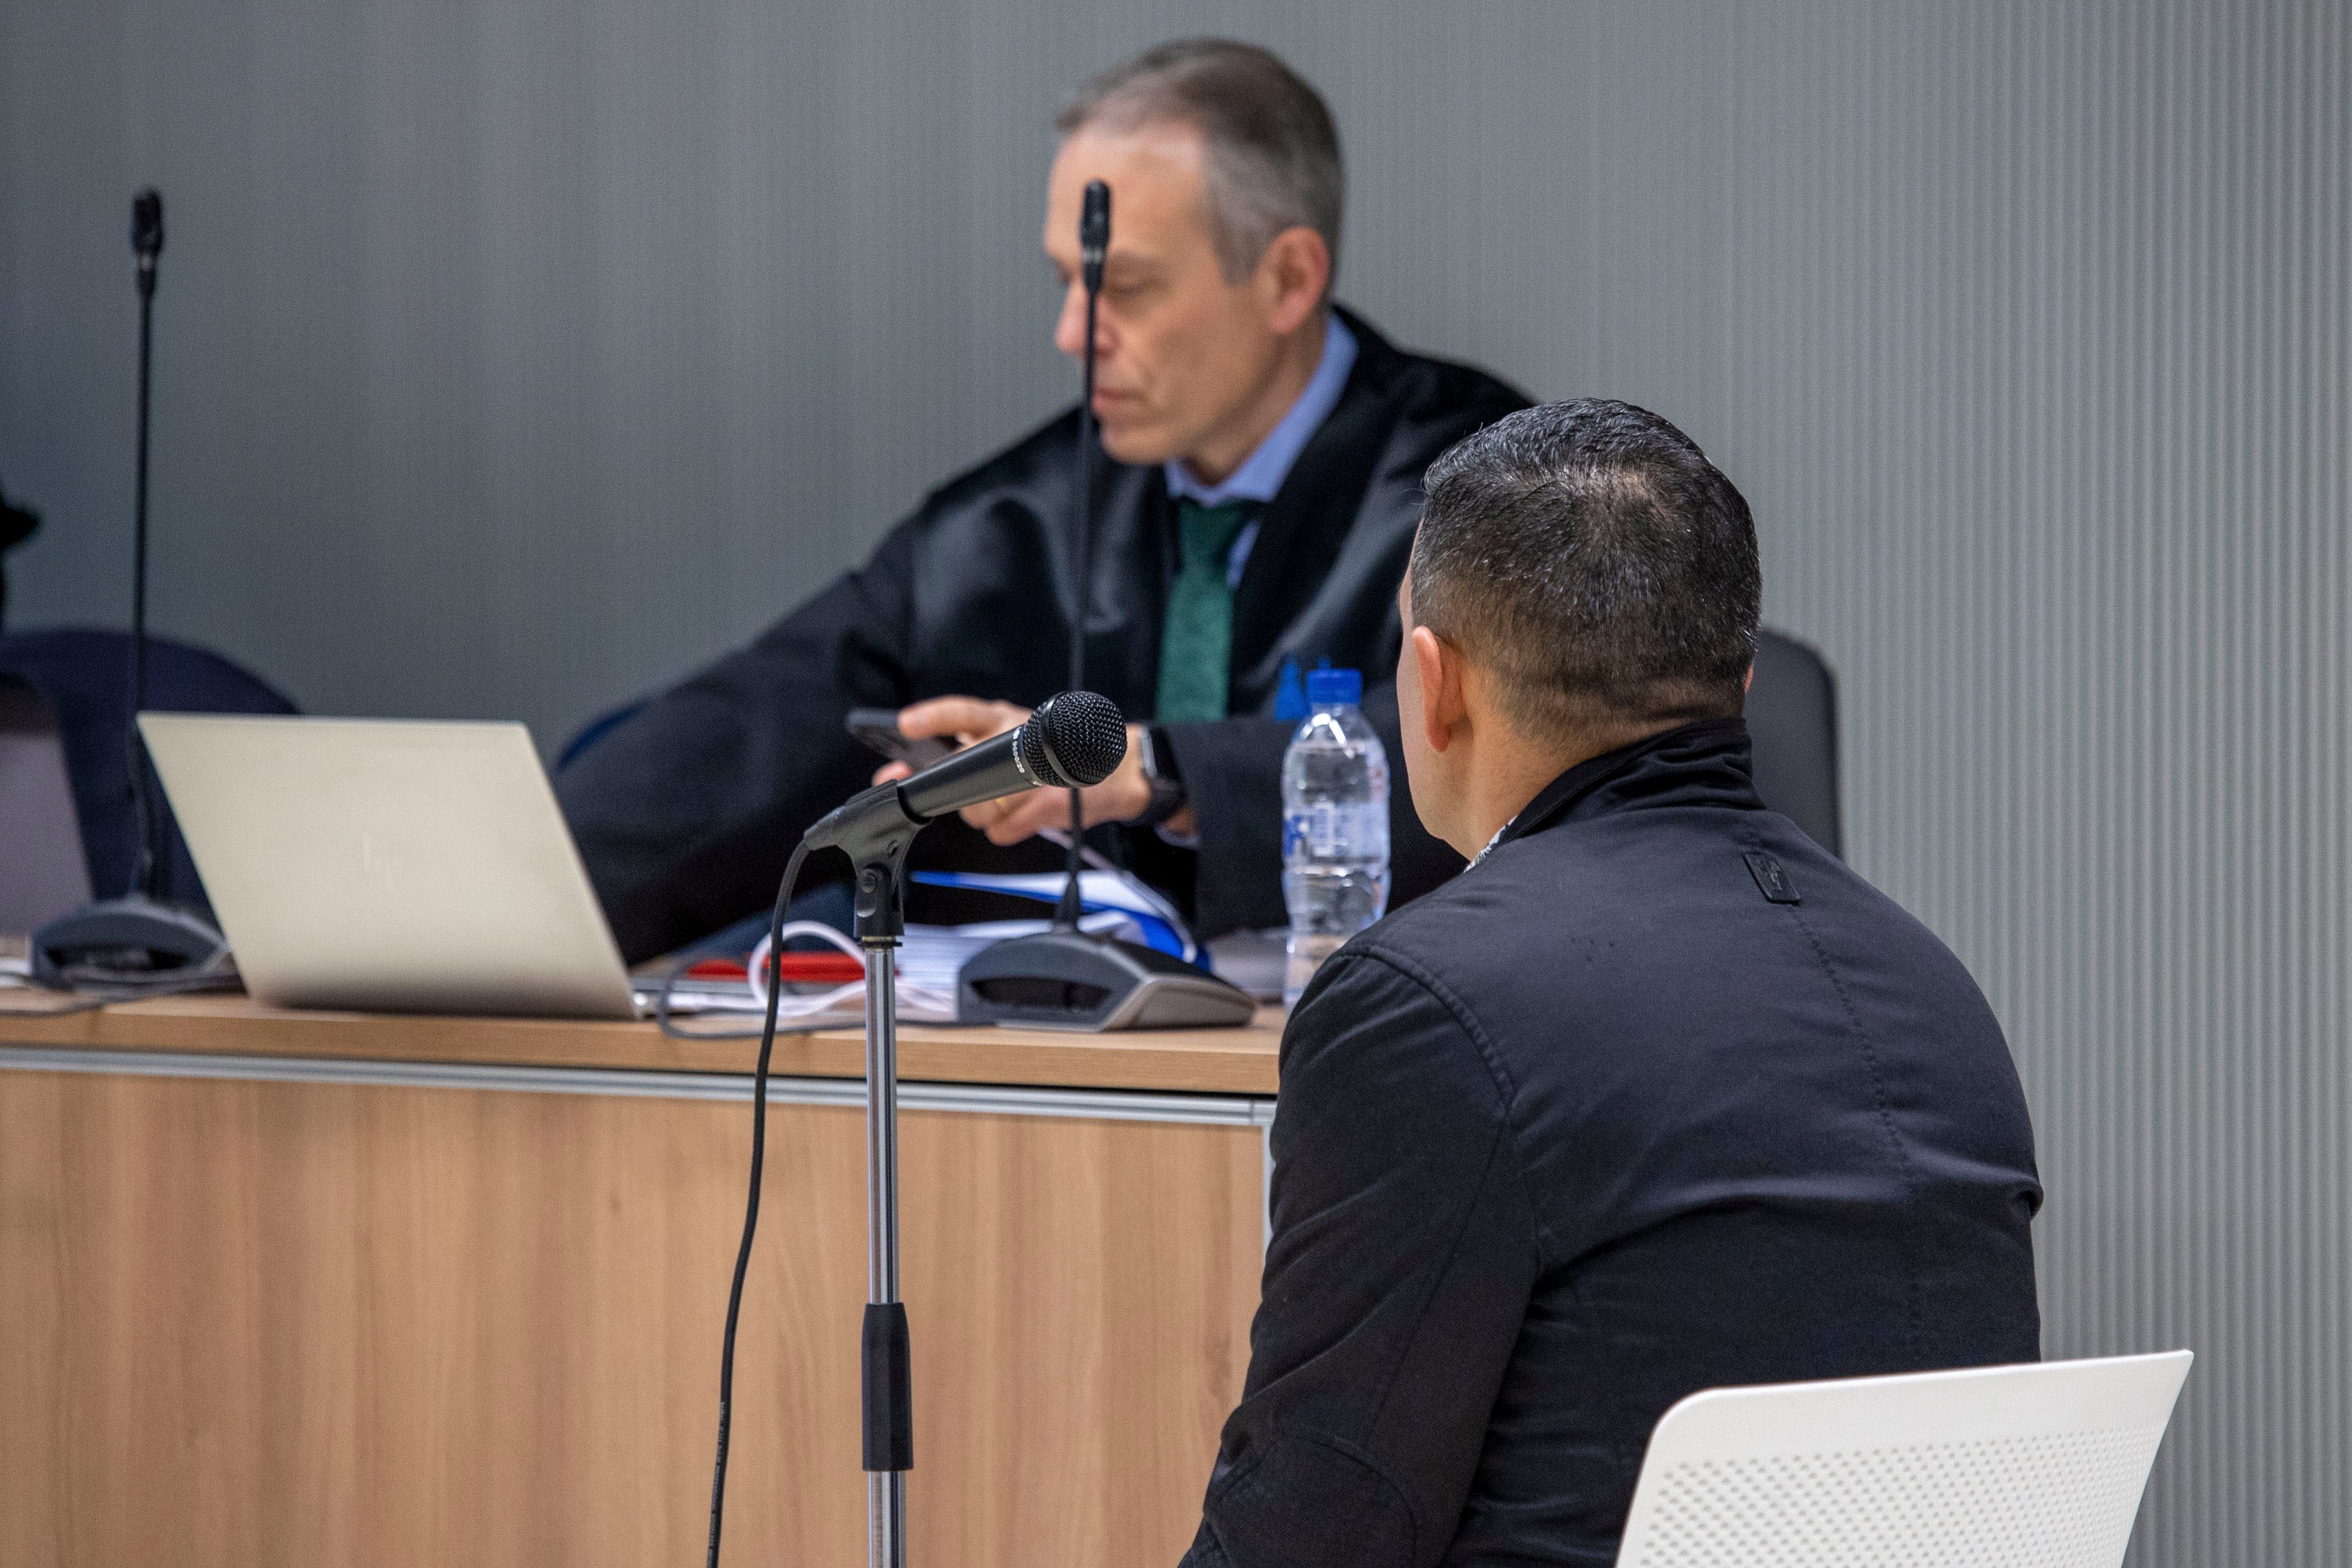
(1065, 978)
(1062, 978)
(1070, 741)
(138, 940)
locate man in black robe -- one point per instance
(1264, 457)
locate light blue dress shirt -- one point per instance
(1261, 472)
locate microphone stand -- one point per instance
(884, 1366)
(877, 839)
(1077, 738)
(138, 939)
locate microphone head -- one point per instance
(1094, 218)
(147, 224)
(1073, 739)
(1094, 231)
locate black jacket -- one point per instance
(685, 813)
(1657, 1097)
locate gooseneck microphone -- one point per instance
(1069, 742)
(1094, 248)
(138, 940)
(1065, 978)
(146, 246)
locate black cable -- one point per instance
(751, 1202)
(666, 1020)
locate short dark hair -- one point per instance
(1272, 153)
(1590, 555)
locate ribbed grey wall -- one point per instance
(514, 357)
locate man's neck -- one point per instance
(1502, 783)
(1229, 444)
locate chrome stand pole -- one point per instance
(888, 1399)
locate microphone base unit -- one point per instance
(1094, 984)
(130, 940)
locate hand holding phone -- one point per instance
(878, 728)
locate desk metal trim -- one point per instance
(1200, 1109)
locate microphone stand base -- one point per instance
(1070, 980)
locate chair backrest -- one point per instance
(42, 872)
(2009, 1467)
(85, 677)
(1792, 718)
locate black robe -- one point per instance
(685, 813)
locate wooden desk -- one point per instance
(315, 1288)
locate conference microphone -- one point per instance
(1093, 236)
(147, 235)
(1071, 740)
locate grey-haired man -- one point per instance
(1265, 455)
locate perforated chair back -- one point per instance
(2009, 1467)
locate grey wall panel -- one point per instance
(513, 358)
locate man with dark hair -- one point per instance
(1264, 453)
(1658, 1096)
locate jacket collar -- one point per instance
(1704, 763)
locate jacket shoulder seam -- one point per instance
(1883, 1105)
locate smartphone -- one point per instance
(879, 728)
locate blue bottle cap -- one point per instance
(1327, 686)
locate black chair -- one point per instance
(84, 677)
(16, 525)
(1793, 716)
(42, 871)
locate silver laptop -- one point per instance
(389, 865)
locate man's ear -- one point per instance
(1295, 271)
(1440, 669)
(1747, 682)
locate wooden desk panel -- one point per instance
(256, 1322)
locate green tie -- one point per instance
(1197, 643)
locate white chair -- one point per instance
(2004, 1467)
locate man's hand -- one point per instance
(1122, 798)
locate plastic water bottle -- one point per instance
(1335, 825)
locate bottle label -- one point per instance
(1334, 830)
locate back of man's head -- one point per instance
(1271, 149)
(1589, 556)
